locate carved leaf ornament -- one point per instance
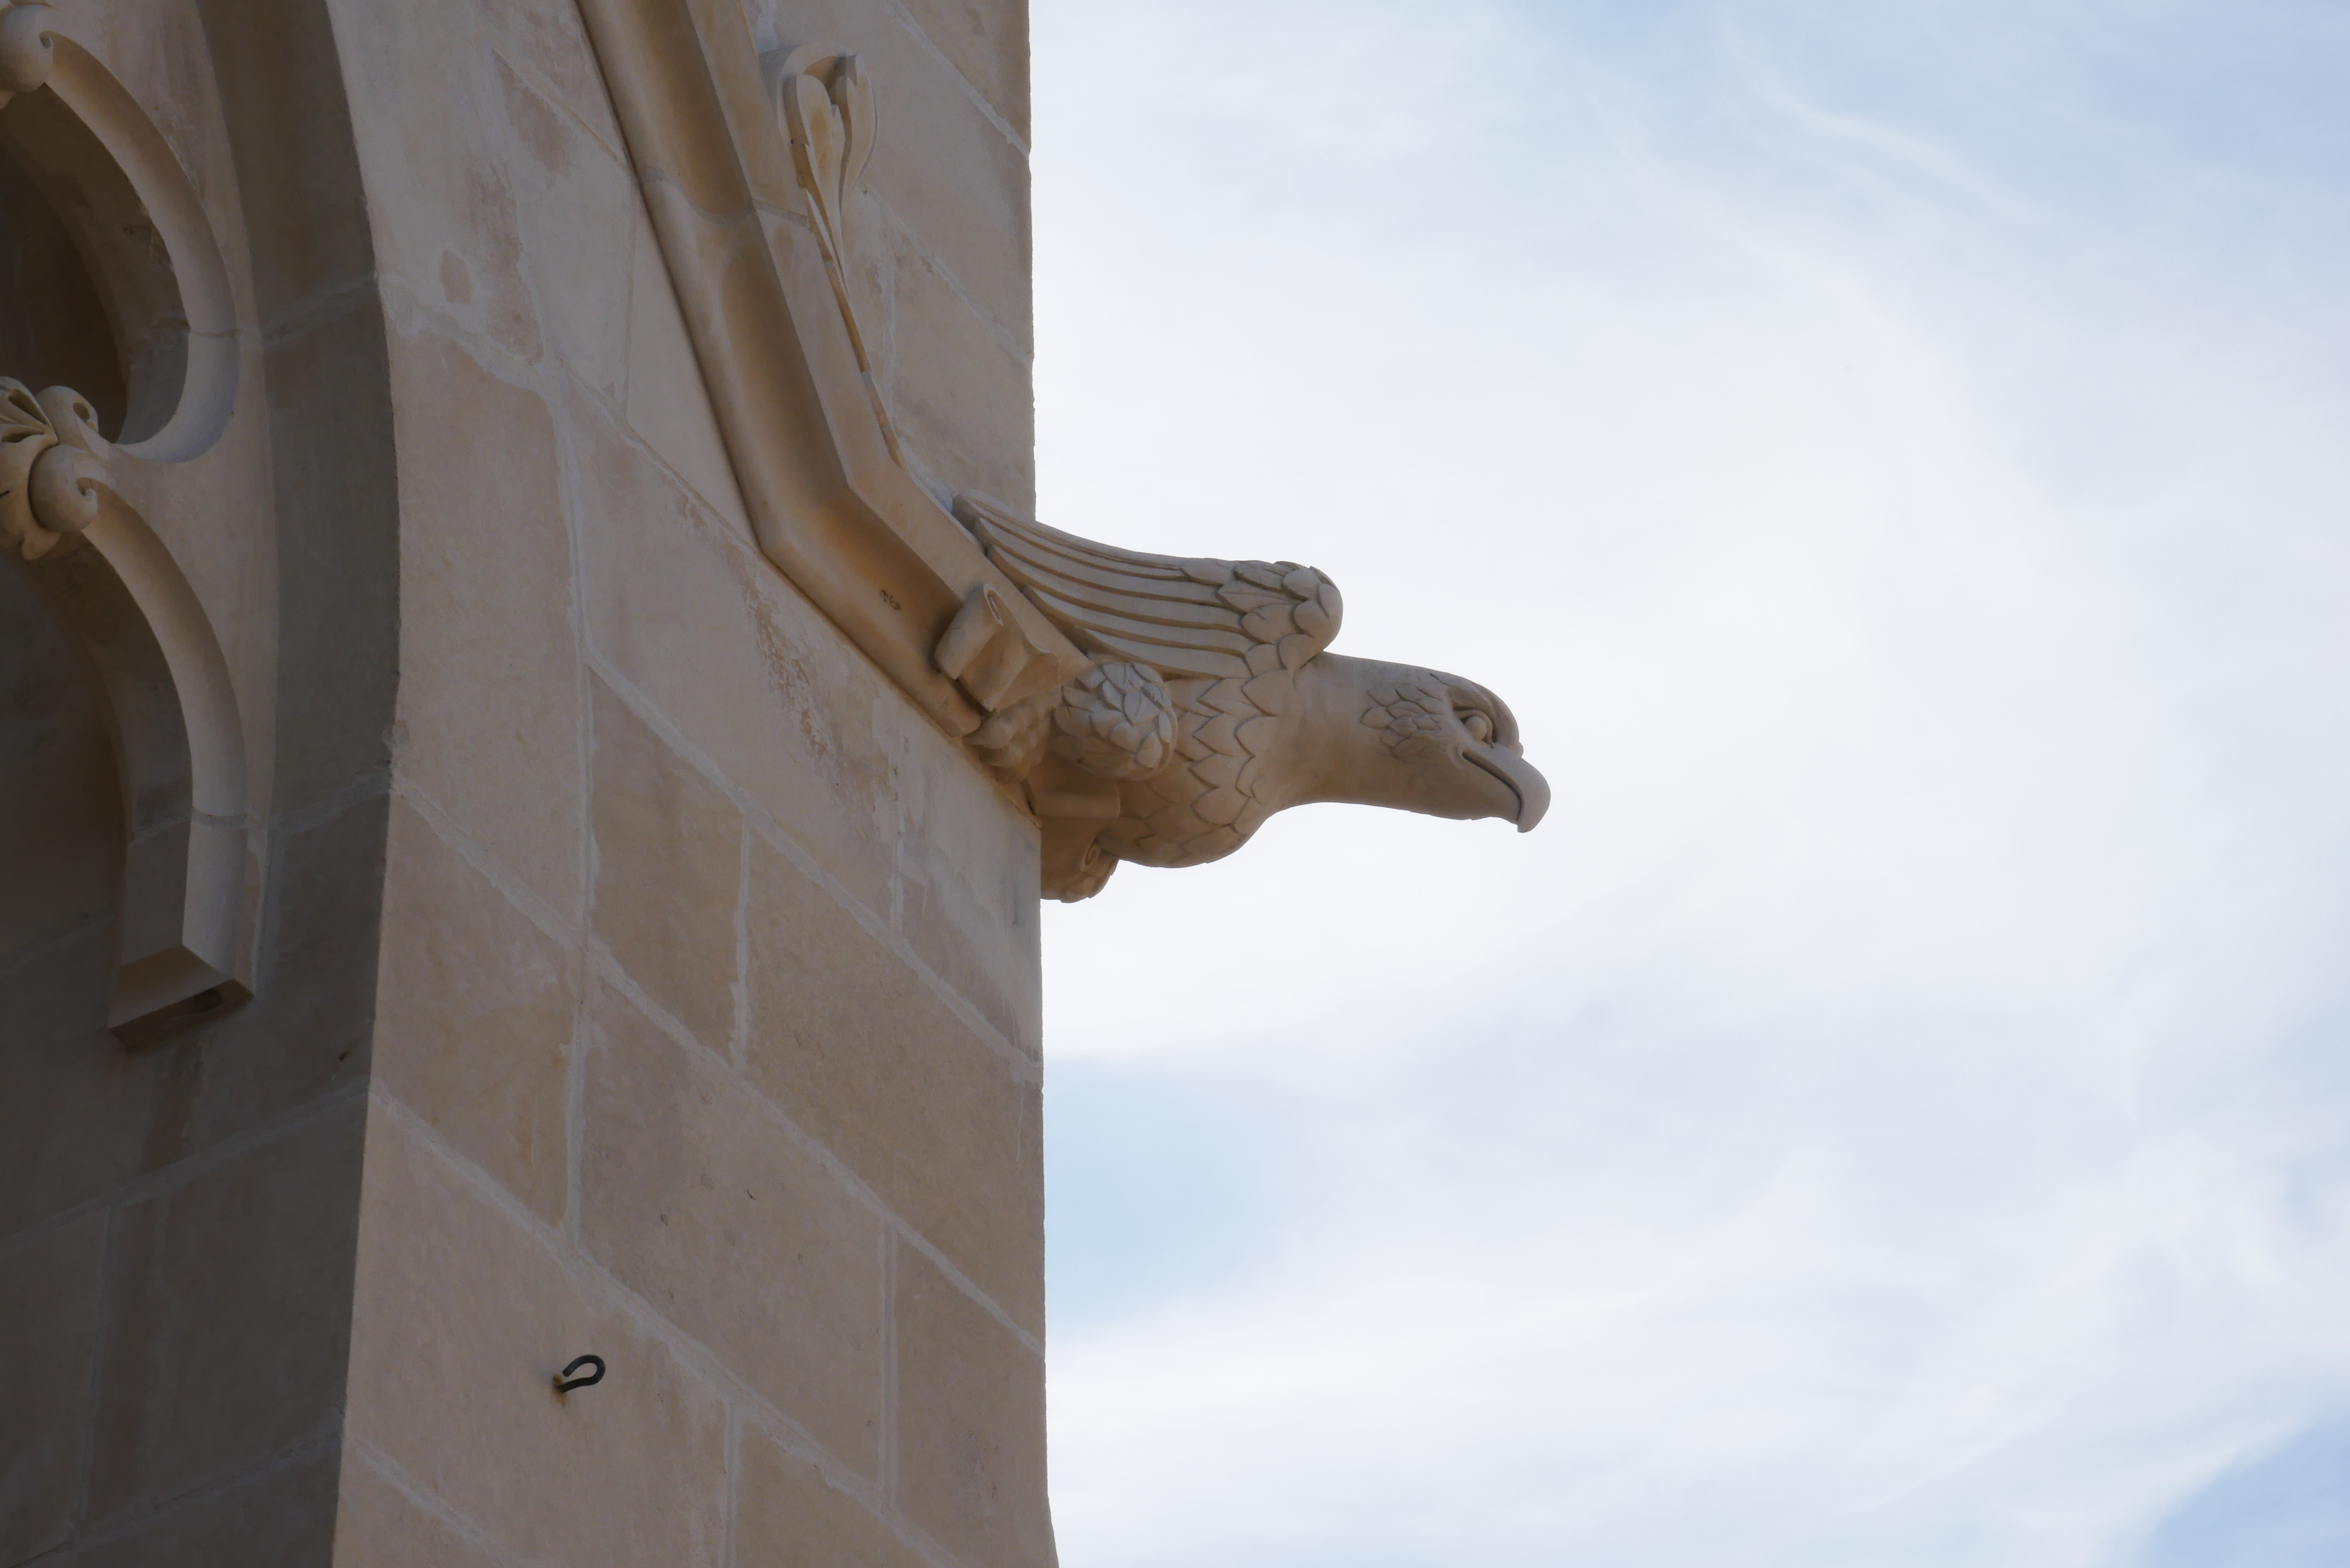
(51, 471)
(826, 102)
(830, 118)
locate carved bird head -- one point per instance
(1213, 703)
(1415, 740)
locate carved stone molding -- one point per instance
(186, 911)
(747, 166)
(1213, 703)
(150, 244)
(178, 743)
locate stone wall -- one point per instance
(647, 977)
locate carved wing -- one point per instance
(1213, 619)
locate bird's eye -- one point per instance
(1480, 727)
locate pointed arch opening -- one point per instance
(116, 348)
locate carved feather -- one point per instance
(1195, 617)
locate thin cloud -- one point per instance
(1892, 1110)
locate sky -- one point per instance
(1894, 458)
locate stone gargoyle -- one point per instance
(1211, 704)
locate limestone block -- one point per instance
(667, 402)
(787, 1515)
(338, 520)
(544, 39)
(668, 872)
(48, 1319)
(988, 42)
(75, 1108)
(576, 203)
(60, 814)
(378, 1527)
(445, 213)
(947, 174)
(693, 1194)
(683, 606)
(464, 1314)
(851, 1044)
(284, 1517)
(961, 398)
(306, 1033)
(968, 901)
(971, 1424)
(489, 682)
(474, 1017)
(228, 1303)
(304, 218)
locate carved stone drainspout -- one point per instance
(1213, 703)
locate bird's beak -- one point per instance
(1525, 782)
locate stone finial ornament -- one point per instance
(1213, 703)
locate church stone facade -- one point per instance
(464, 904)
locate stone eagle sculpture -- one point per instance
(1213, 703)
